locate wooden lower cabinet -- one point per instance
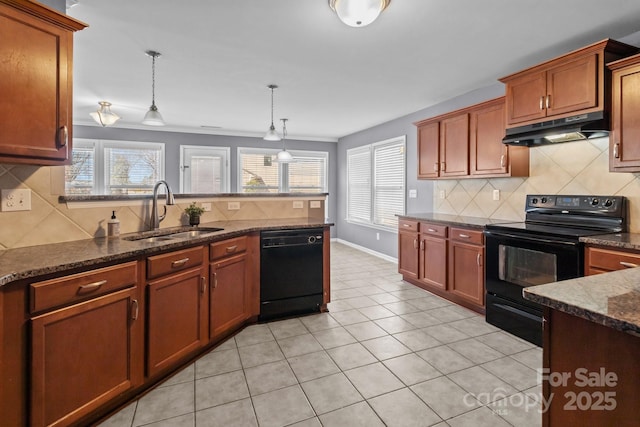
(408, 249)
(450, 262)
(229, 302)
(602, 260)
(176, 318)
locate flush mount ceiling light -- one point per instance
(358, 13)
(104, 116)
(284, 156)
(272, 135)
(153, 116)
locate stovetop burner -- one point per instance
(570, 217)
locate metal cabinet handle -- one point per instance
(203, 284)
(542, 102)
(63, 138)
(431, 230)
(215, 280)
(179, 263)
(503, 161)
(464, 236)
(415, 243)
(422, 245)
(232, 249)
(548, 101)
(479, 260)
(134, 309)
(616, 150)
(91, 287)
(628, 264)
(443, 167)
(406, 225)
(435, 167)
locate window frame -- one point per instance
(225, 176)
(372, 209)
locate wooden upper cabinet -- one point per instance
(624, 142)
(468, 143)
(454, 146)
(429, 150)
(36, 84)
(572, 84)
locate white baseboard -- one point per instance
(367, 250)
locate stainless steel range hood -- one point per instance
(583, 126)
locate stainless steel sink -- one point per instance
(171, 235)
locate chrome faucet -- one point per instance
(155, 218)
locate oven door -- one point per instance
(517, 260)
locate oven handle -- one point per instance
(533, 239)
(518, 312)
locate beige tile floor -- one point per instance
(387, 353)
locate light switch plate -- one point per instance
(315, 204)
(298, 204)
(18, 199)
(496, 194)
(413, 193)
(206, 206)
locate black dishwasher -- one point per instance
(291, 272)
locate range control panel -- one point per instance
(561, 203)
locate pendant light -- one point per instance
(358, 13)
(284, 156)
(153, 116)
(104, 116)
(272, 135)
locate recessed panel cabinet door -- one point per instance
(83, 356)
(572, 86)
(35, 88)
(466, 271)
(433, 261)
(624, 141)
(526, 97)
(229, 304)
(429, 150)
(488, 155)
(454, 146)
(408, 254)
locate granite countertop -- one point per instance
(610, 299)
(628, 241)
(454, 220)
(33, 261)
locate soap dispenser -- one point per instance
(113, 226)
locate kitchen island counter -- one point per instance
(453, 220)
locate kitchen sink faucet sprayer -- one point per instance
(155, 218)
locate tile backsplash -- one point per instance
(49, 221)
(580, 167)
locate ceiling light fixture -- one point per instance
(153, 116)
(104, 116)
(358, 13)
(272, 135)
(284, 156)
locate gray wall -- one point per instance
(173, 140)
(366, 236)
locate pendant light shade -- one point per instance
(272, 135)
(284, 156)
(153, 116)
(104, 116)
(358, 13)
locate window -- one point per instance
(114, 167)
(260, 172)
(376, 183)
(204, 169)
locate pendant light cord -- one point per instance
(153, 80)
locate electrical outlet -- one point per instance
(413, 193)
(298, 204)
(496, 194)
(206, 207)
(377, 236)
(233, 206)
(443, 195)
(315, 204)
(18, 199)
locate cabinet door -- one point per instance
(488, 155)
(454, 146)
(572, 86)
(36, 88)
(408, 254)
(83, 356)
(429, 150)
(466, 271)
(624, 142)
(229, 305)
(526, 97)
(433, 261)
(176, 318)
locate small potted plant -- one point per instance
(194, 213)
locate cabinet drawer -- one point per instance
(407, 225)
(465, 235)
(69, 289)
(227, 247)
(604, 259)
(160, 265)
(438, 230)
